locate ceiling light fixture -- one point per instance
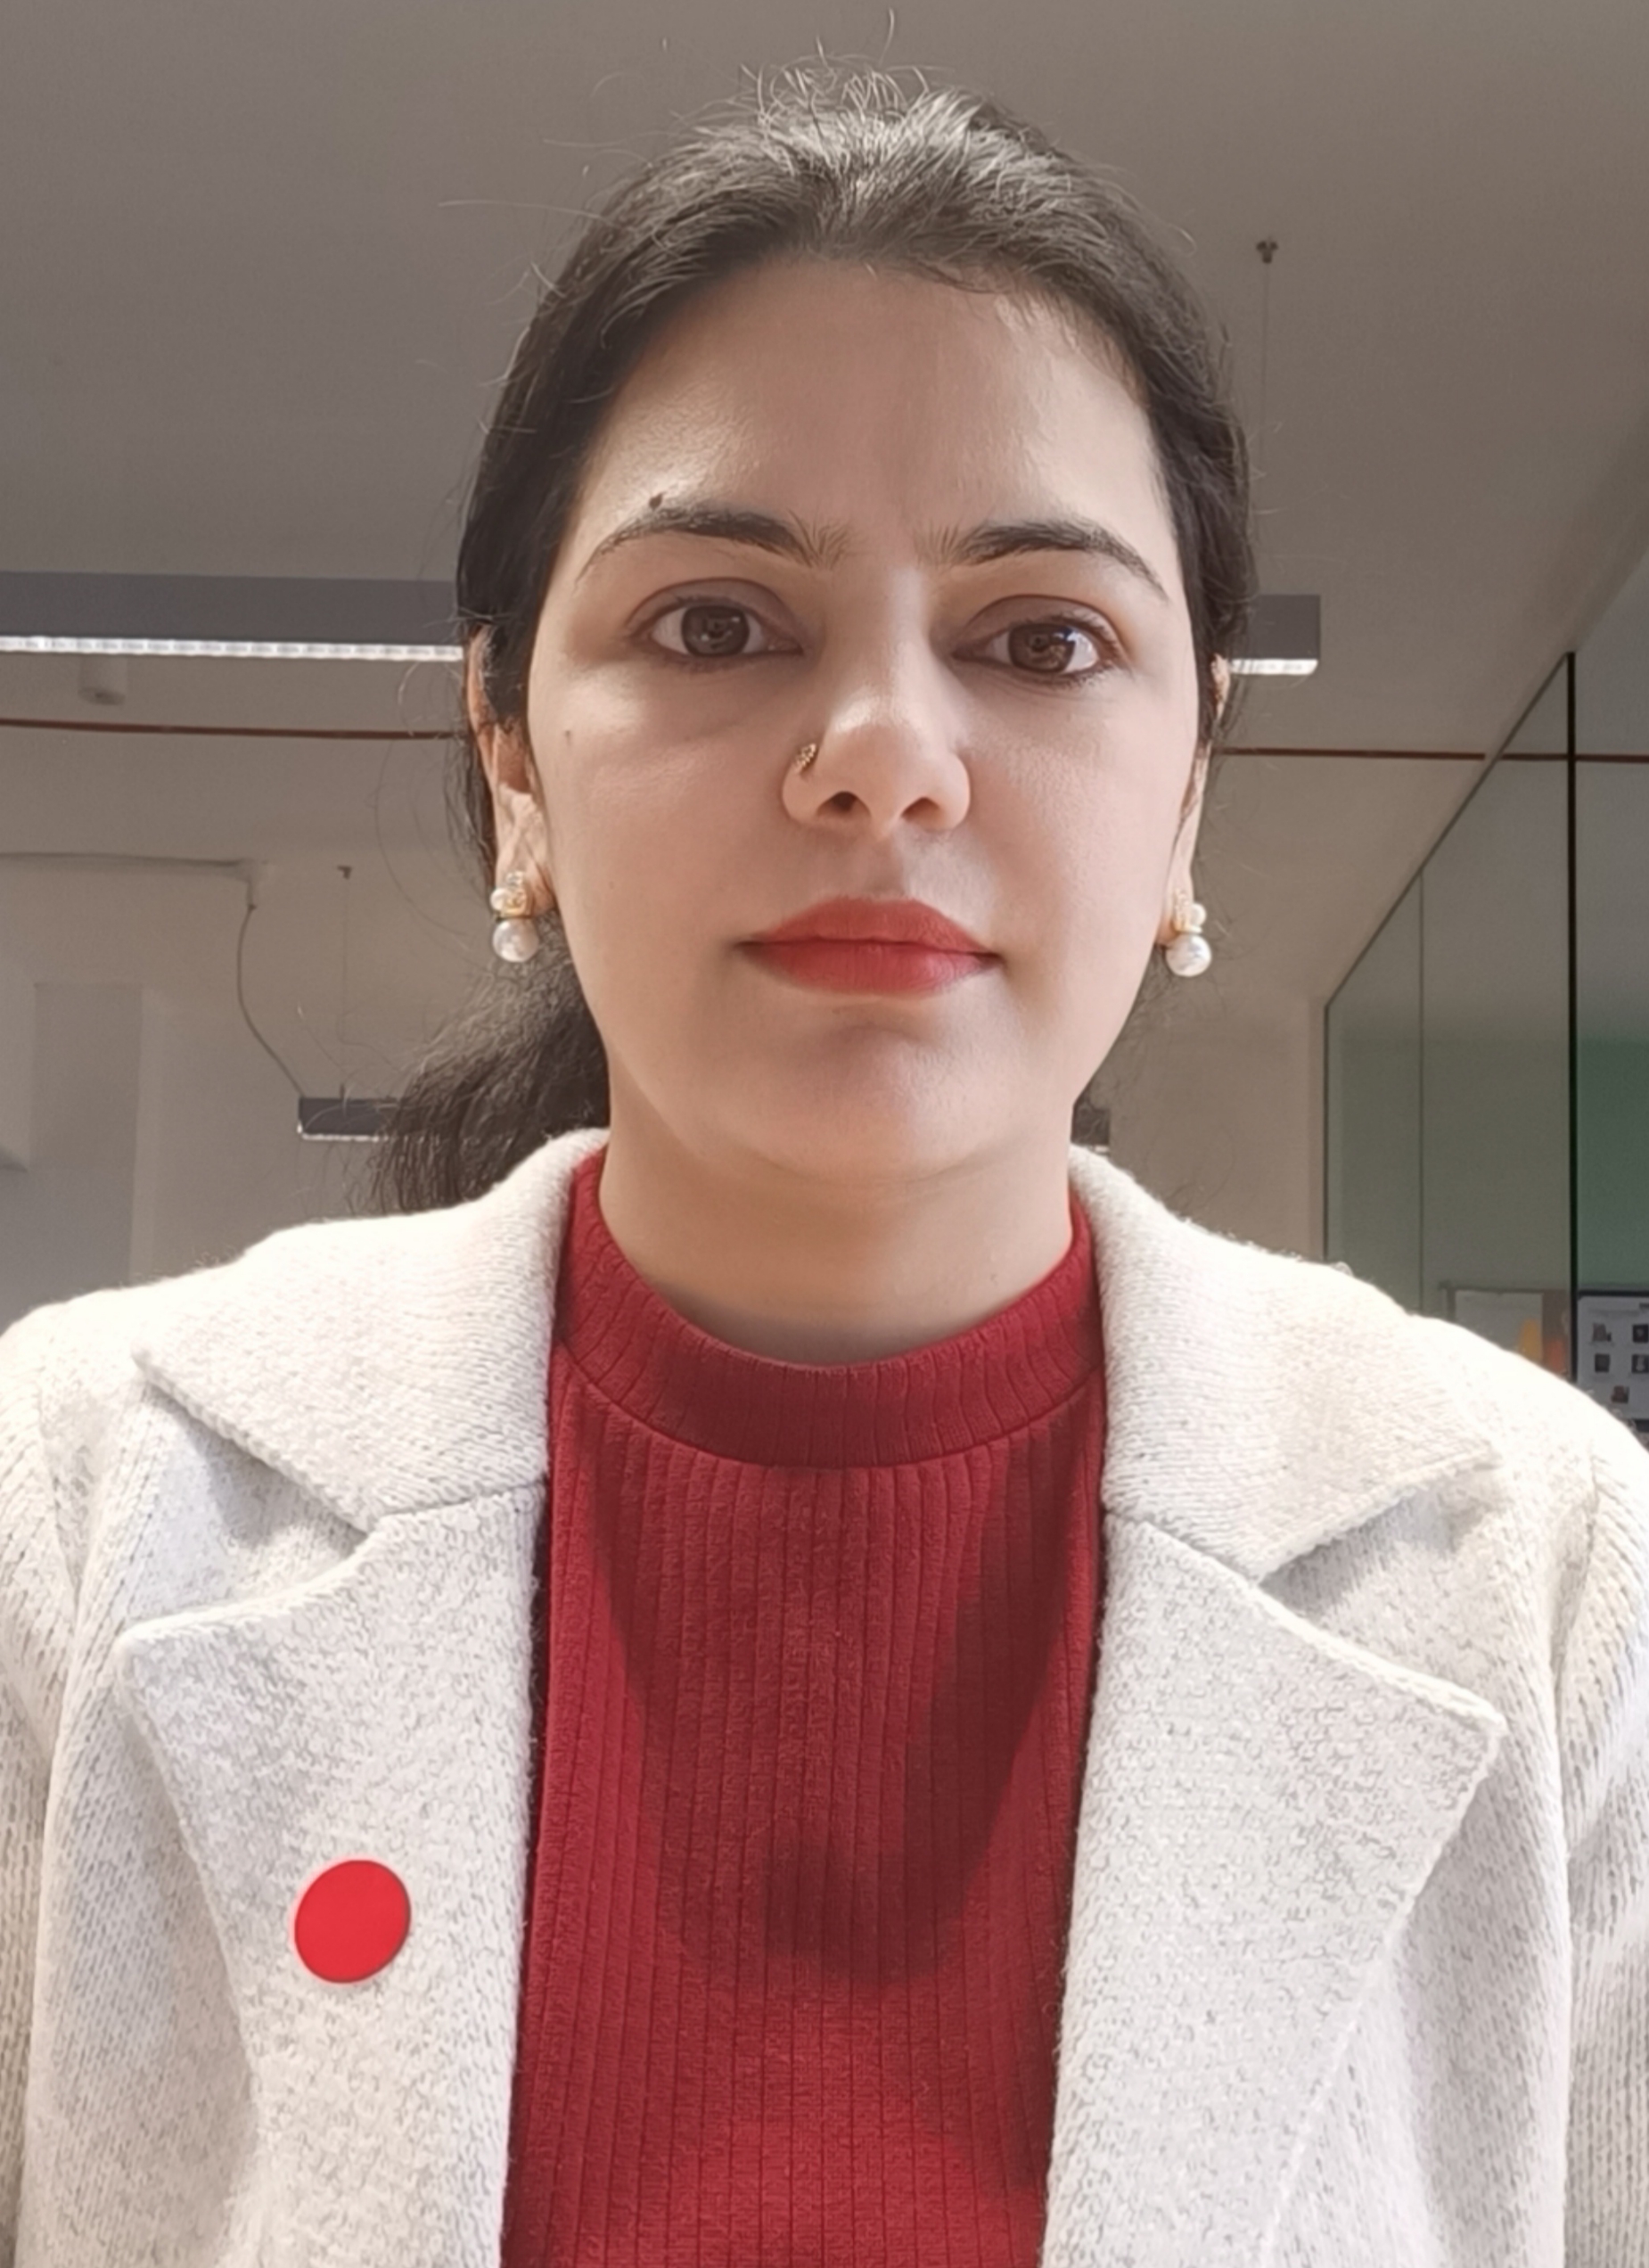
(235, 617)
(230, 649)
(292, 619)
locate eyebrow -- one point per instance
(977, 547)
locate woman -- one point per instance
(786, 1668)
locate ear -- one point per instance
(505, 756)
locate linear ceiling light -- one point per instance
(233, 649)
(291, 617)
(253, 617)
(1284, 636)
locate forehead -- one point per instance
(867, 394)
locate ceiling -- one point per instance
(271, 262)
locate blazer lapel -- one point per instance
(1262, 1805)
(381, 1712)
(1261, 1800)
(397, 1371)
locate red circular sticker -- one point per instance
(351, 1922)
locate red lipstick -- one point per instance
(871, 945)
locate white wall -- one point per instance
(197, 1154)
(162, 1135)
(65, 1219)
(1218, 1109)
(17, 1065)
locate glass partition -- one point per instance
(1494, 1050)
(1487, 1060)
(1612, 1085)
(1373, 1049)
(1611, 990)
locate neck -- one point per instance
(765, 1258)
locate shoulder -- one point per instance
(1533, 1413)
(67, 1358)
(72, 1372)
(1284, 1400)
(1358, 1332)
(380, 1360)
(1576, 1478)
(1308, 1334)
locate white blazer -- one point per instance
(1359, 1970)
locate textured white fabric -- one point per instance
(1359, 1973)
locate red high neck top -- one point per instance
(815, 1655)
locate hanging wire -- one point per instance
(239, 994)
(1266, 250)
(239, 870)
(340, 1014)
(343, 976)
(342, 1039)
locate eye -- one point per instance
(710, 629)
(1042, 649)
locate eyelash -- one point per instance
(1104, 640)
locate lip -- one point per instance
(855, 965)
(874, 921)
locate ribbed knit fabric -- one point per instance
(815, 1655)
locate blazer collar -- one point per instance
(1258, 1404)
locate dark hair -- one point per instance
(823, 164)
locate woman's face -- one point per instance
(1010, 739)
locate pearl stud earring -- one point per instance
(515, 938)
(1190, 952)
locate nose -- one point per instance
(890, 738)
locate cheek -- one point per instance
(1109, 834)
(592, 778)
(647, 836)
(1112, 923)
